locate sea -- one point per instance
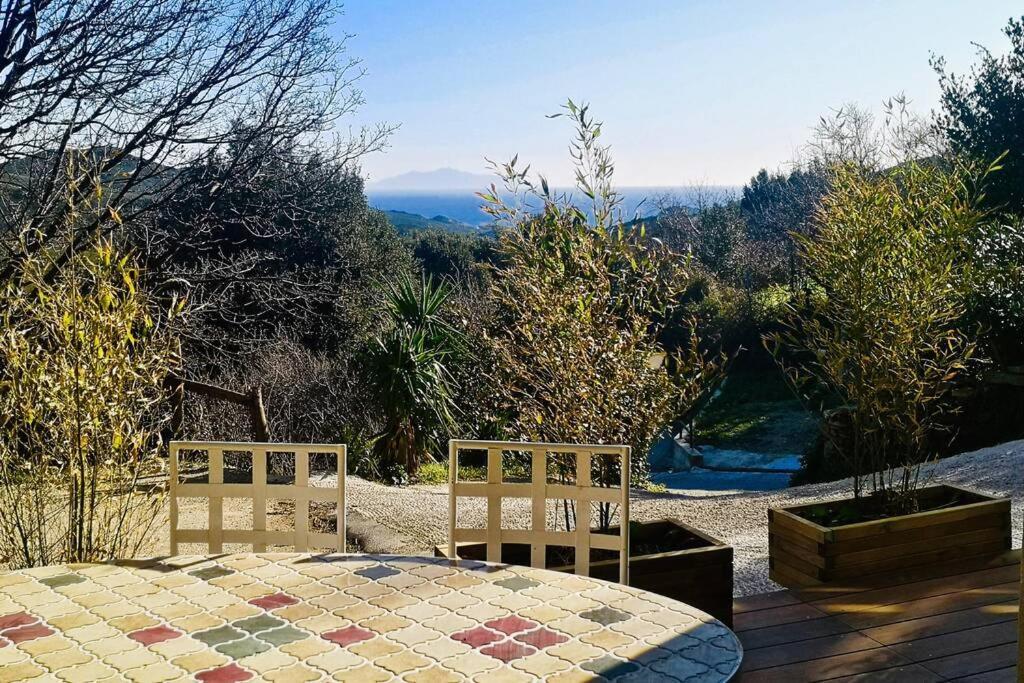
(464, 206)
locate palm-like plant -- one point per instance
(409, 366)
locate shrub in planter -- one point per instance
(580, 301)
(880, 337)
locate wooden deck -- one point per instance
(961, 627)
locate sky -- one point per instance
(690, 91)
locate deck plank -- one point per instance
(976, 662)
(960, 627)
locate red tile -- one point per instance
(269, 602)
(476, 636)
(19, 619)
(541, 638)
(23, 633)
(225, 674)
(507, 650)
(348, 635)
(156, 634)
(510, 625)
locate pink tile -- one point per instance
(476, 636)
(510, 625)
(23, 633)
(225, 674)
(156, 634)
(541, 638)
(19, 619)
(348, 635)
(507, 650)
(269, 602)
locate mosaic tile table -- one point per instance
(299, 617)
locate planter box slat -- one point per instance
(976, 531)
(875, 555)
(935, 531)
(919, 519)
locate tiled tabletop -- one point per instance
(299, 617)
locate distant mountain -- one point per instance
(406, 222)
(438, 180)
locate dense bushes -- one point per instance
(882, 337)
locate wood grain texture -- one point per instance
(215, 490)
(582, 493)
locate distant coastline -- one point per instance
(464, 206)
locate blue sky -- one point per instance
(690, 91)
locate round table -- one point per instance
(296, 617)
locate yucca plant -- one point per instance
(409, 367)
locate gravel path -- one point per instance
(421, 512)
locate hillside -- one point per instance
(406, 222)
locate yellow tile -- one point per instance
(62, 659)
(323, 623)
(298, 611)
(236, 610)
(359, 611)
(334, 600)
(93, 632)
(200, 661)
(472, 663)
(20, 672)
(42, 646)
(393, 601)
(177, 647)
(109, 646)
(335, 659)
(75, 620)
(363, 674)
(96, 599)
(116, 609)
(198, 622)
(402, 662)
(434, 674)
(176, 611)
(86, 673)
(606, 640)
(575, 652)
(133, 622)
(307, 647)
(541, 665)
(385, 623)
(375, 648)
(297, 673)
(155, 673)
(267, 661)
(505, 675)
(131, 659)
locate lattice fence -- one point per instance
(258, 491)
(539, 490)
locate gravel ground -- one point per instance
(421, 512)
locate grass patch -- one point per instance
(757, 412)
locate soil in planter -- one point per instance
(665, 538)
(872, 508)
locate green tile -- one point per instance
(237, 649)
(62, 580)
(216, 636)
(283, 636)
(210, 573)
(262, 622)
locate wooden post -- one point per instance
(259, 415)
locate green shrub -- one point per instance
(882, 340)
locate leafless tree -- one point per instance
(147, 87)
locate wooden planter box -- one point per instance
(700, 576)
(802, 553)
